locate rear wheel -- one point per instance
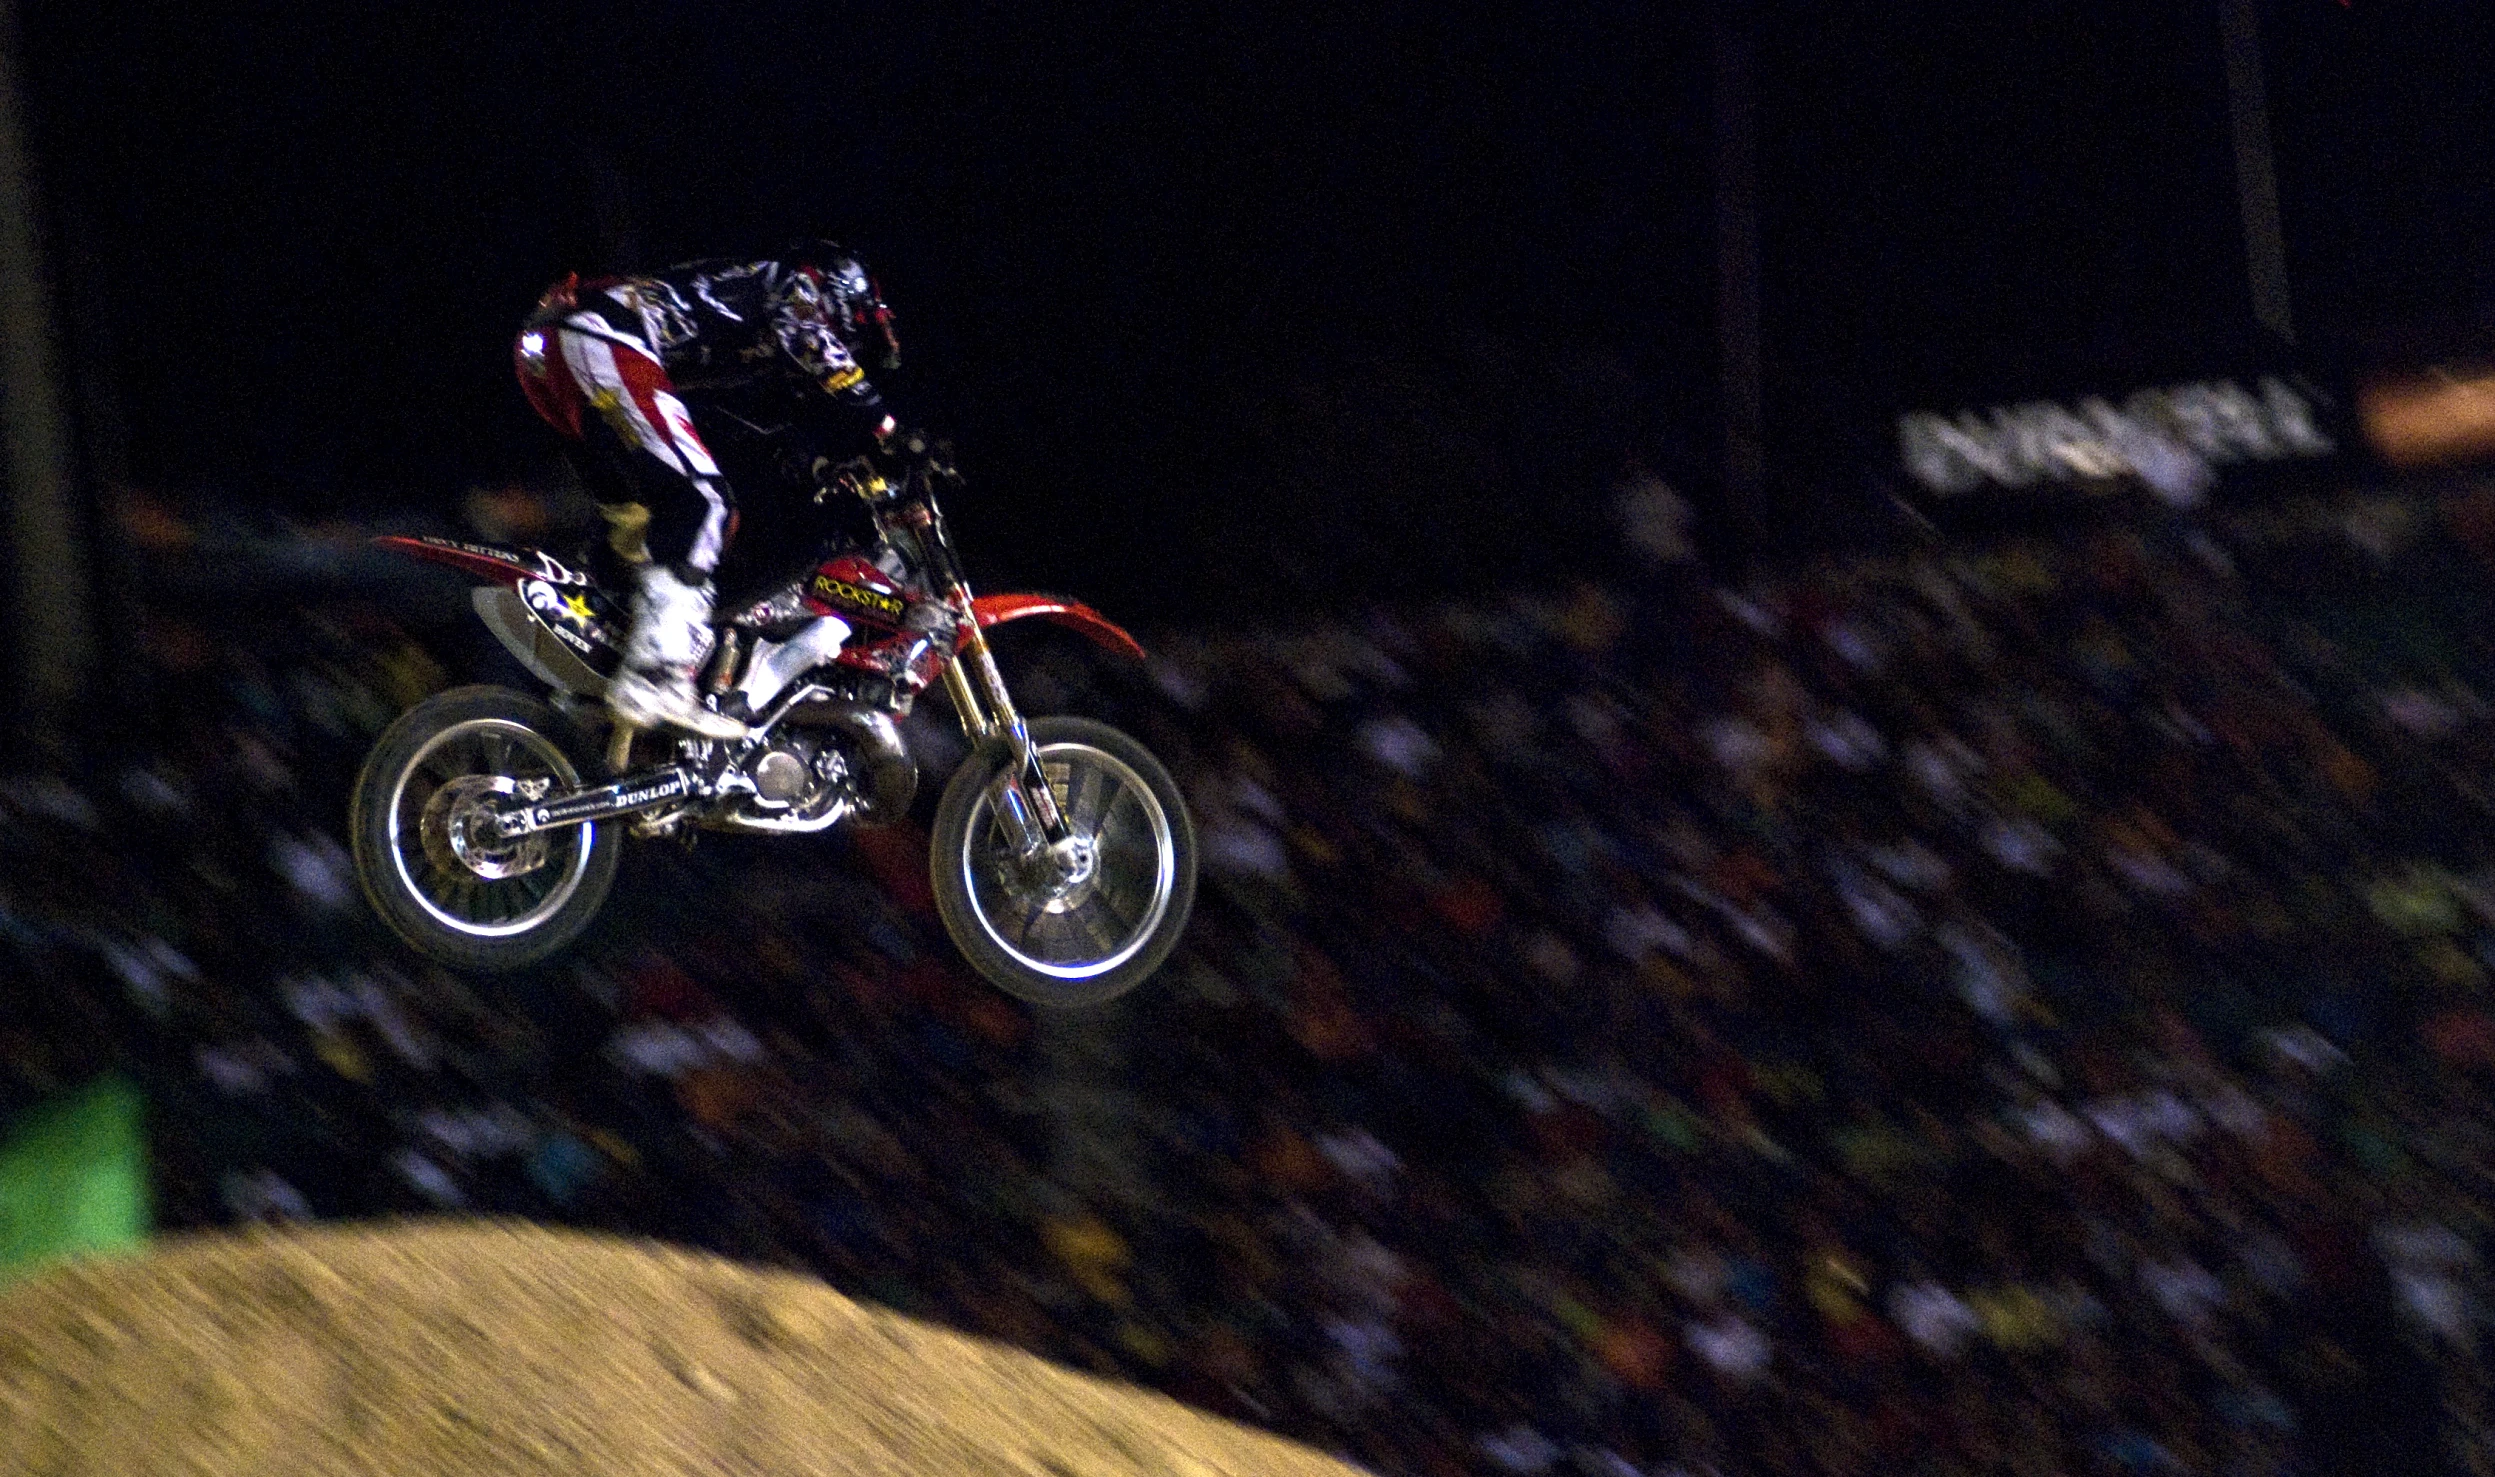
(1095, 923)
(433, 868)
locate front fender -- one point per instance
(996, 610)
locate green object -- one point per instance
(73, 1178)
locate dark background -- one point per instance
(1230, 306)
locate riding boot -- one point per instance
(654, 687)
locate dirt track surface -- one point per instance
(451, 1349)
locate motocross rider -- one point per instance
(626, 348)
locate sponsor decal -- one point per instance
(842, 378)
(488, 550)
(2167, 436)
(568, 616)
(667, 788)
(542, 565)
(554, 571)
(846, 596)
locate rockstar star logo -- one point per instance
(577, 606)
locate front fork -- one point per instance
(1025, 802)
(1034, 820)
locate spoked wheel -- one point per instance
(428, 856)
(1091, 922)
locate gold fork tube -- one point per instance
(966, 705)
(1000, 701)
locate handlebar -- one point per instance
(906, 514)
(860, 477)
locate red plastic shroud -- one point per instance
(855, 590)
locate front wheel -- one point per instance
(1079, 928)
(443, 880)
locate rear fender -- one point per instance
(545, 613)
(996, 610)
(491, 562)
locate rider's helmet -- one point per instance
(850, 296)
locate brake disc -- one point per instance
(459, 833)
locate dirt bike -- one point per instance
(1064, 859)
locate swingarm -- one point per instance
(551, 809)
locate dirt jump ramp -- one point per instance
(458, 1349)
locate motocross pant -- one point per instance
(589, 371)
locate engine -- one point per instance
(802, 777)
(825, 763)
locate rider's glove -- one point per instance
(902, 451)
(898, 449)
(893, 439)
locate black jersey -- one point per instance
(727, 324)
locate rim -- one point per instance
(1127, 870)
(474, 885)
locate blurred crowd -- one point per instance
(2020, 1007)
